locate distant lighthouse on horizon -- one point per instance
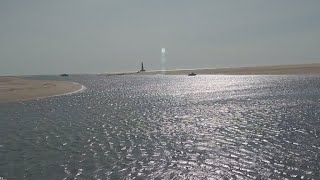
(142, 68)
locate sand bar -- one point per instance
(14, 89)
(259, 70)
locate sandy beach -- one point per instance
(259, 70)
(17, 89)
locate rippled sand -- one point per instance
(17, 89)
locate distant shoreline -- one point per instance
(14, 89)
(257, 70)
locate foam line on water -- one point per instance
(82, 89)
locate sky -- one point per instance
(97, 36)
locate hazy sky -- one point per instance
(94, 36)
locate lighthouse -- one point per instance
(142, 69)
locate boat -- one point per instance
(64, 75)
(192, 74)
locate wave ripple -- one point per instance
(167, 127)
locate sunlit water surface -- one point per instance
(167, 127)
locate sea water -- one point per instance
(167, 127)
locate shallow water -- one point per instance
(167, 127)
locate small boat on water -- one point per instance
(192, 74)
(64, 75)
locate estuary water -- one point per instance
(167, 127)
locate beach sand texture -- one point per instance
(17, 89)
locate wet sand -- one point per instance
(259, 70)
(14, 89)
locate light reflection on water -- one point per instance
(231, 127)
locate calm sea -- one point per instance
(167, 127)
